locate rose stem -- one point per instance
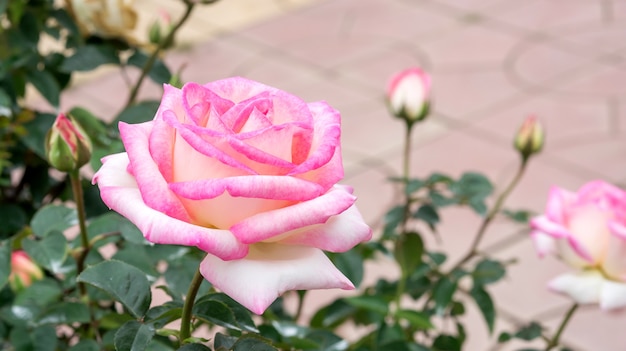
(185, 319)
(77, 189)
(406, 170)
(555, 339)
(155, 54)
(491, 215)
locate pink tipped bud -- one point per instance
(161, 28)
(67, 145)
(530, 138)
(408, 95)
(23, 271)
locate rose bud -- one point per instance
(587, 231)
(529, 139)
(408, 95)
(161, 28)
(23, 271)
(67, 145)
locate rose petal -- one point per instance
(339, 234)
(120, 192)
(153, 186)
(584, 287)
(558, 202)
(544, 244)
(198, 101)
(272, 269)
(237, 89)
(258, 186)
(548, 227)
(613, 295)
(266, 225)
(323, 164)
(614, 264)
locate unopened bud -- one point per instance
(408, 95)
(67, 145)
(161, 28)
(23, 271)
(530, 138)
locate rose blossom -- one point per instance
(587, 231)
(247, 173)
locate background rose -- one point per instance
(587, 231)
(106, 18)
(247, 173)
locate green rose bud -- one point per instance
(67, 145)
(529, 139)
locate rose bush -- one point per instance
(587, 231)
(247, 173)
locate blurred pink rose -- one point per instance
(408, 94)
(247, 173)
(587, 231)
(23, 271)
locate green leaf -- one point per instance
(123, 282)
(529, 332)
(326, 340)
(408, 252)
(419, 320)
(36, 133)
(46, 84)
(333, 315)
(485, 305)
(520, 216)
(85, 345)
(414, 185)
(137, 256)
(350, 263)
(427, 213)
(438, 258)
(196, 347)
(488, 271)
(141, 112)
(251, 342)
(41, 293)
(392, 219)
(224, 342)
(64, 313)
(13, 219)
(159, 73)
(216, 308)
(472, 185)
(50, 252)
(242, 315)
(89, 57)
(370, 303)
(443, 293)
(133, 336)
(53, 218)
(446, 343)
(504, 337)
(5, 263)
(43, 338)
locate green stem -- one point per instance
(77, 189)
(406, 173)
(185, 322)
(555, 339)
(491, 215)
(155, 54)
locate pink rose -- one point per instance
(247, 173)
(587, 230)
(23, 271)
